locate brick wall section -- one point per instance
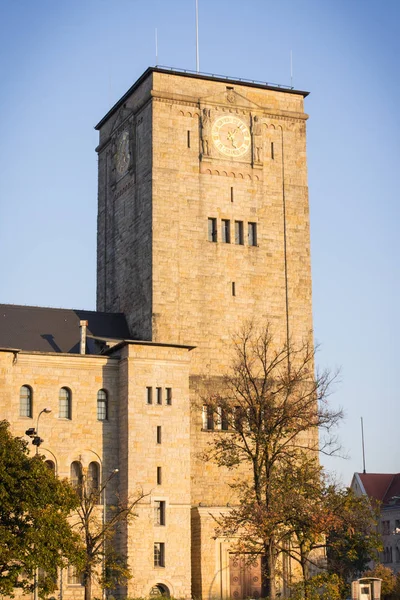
(126, 441)
(141, 455)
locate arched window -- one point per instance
(160, 590)
(50, 464)
(76, 474)
(93, 478)
(64, 403)
(102, 405)
(25, 401)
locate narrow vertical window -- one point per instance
(188, 138)
(159, 554)
(76, 474)
(233, 289)
(212, 229)
(93, 478)
(272, 151)
(168, 399)
(159, 476)
(50, 465)
(239, 232)
(25, 401)
(102, 408)
(226, 231)
(208, 417)
(252, 234)
(158, 434)
(159, 512)
(231, 194)
(159, 395)
(64, 403)
(149, 392)
(224, 420)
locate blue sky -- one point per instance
(64, 63)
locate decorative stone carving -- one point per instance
(256, 139)
(205, 132)
(231, 97)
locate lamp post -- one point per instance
(34, 433)
(36, 441)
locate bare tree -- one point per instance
(98, 526)
(276, 405)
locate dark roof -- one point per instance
(381, 486)
(185, 73)
(36, 328)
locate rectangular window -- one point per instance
(226, 231)
(159, 512)
(231, 194)
(159, 554)
(168, 398)
(252, 234)
(188, 139)
(238, 418)
(212, 230)
(224, 420)
(159, 395)
(239, 239)
(158, 434)
(159, 476)
(74, 576)
(149, 395)
(385, 527)
(208, 417)
(272, 151)
(233, 289)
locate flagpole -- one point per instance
(197, 37)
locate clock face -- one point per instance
(123, 154)
(231, 136)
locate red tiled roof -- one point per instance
(381, 486)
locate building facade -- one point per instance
(203, 226)
(383, 491)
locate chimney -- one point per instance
(83, 325)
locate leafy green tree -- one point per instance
(34, 529)
(354, 542)
(275, 404)
(324, 586)
(388, 588)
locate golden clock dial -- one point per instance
(231, 136)
(123, 154)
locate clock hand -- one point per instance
(231, 137)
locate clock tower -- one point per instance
(203, 226)
(203, 212)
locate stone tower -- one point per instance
(203, 211)
(203, 225)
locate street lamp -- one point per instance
(36, 441)
(34, 433)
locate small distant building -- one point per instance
(384, 489)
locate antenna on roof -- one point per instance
(362, 440)
(197, 37)
(291, 69)
(156, 47)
